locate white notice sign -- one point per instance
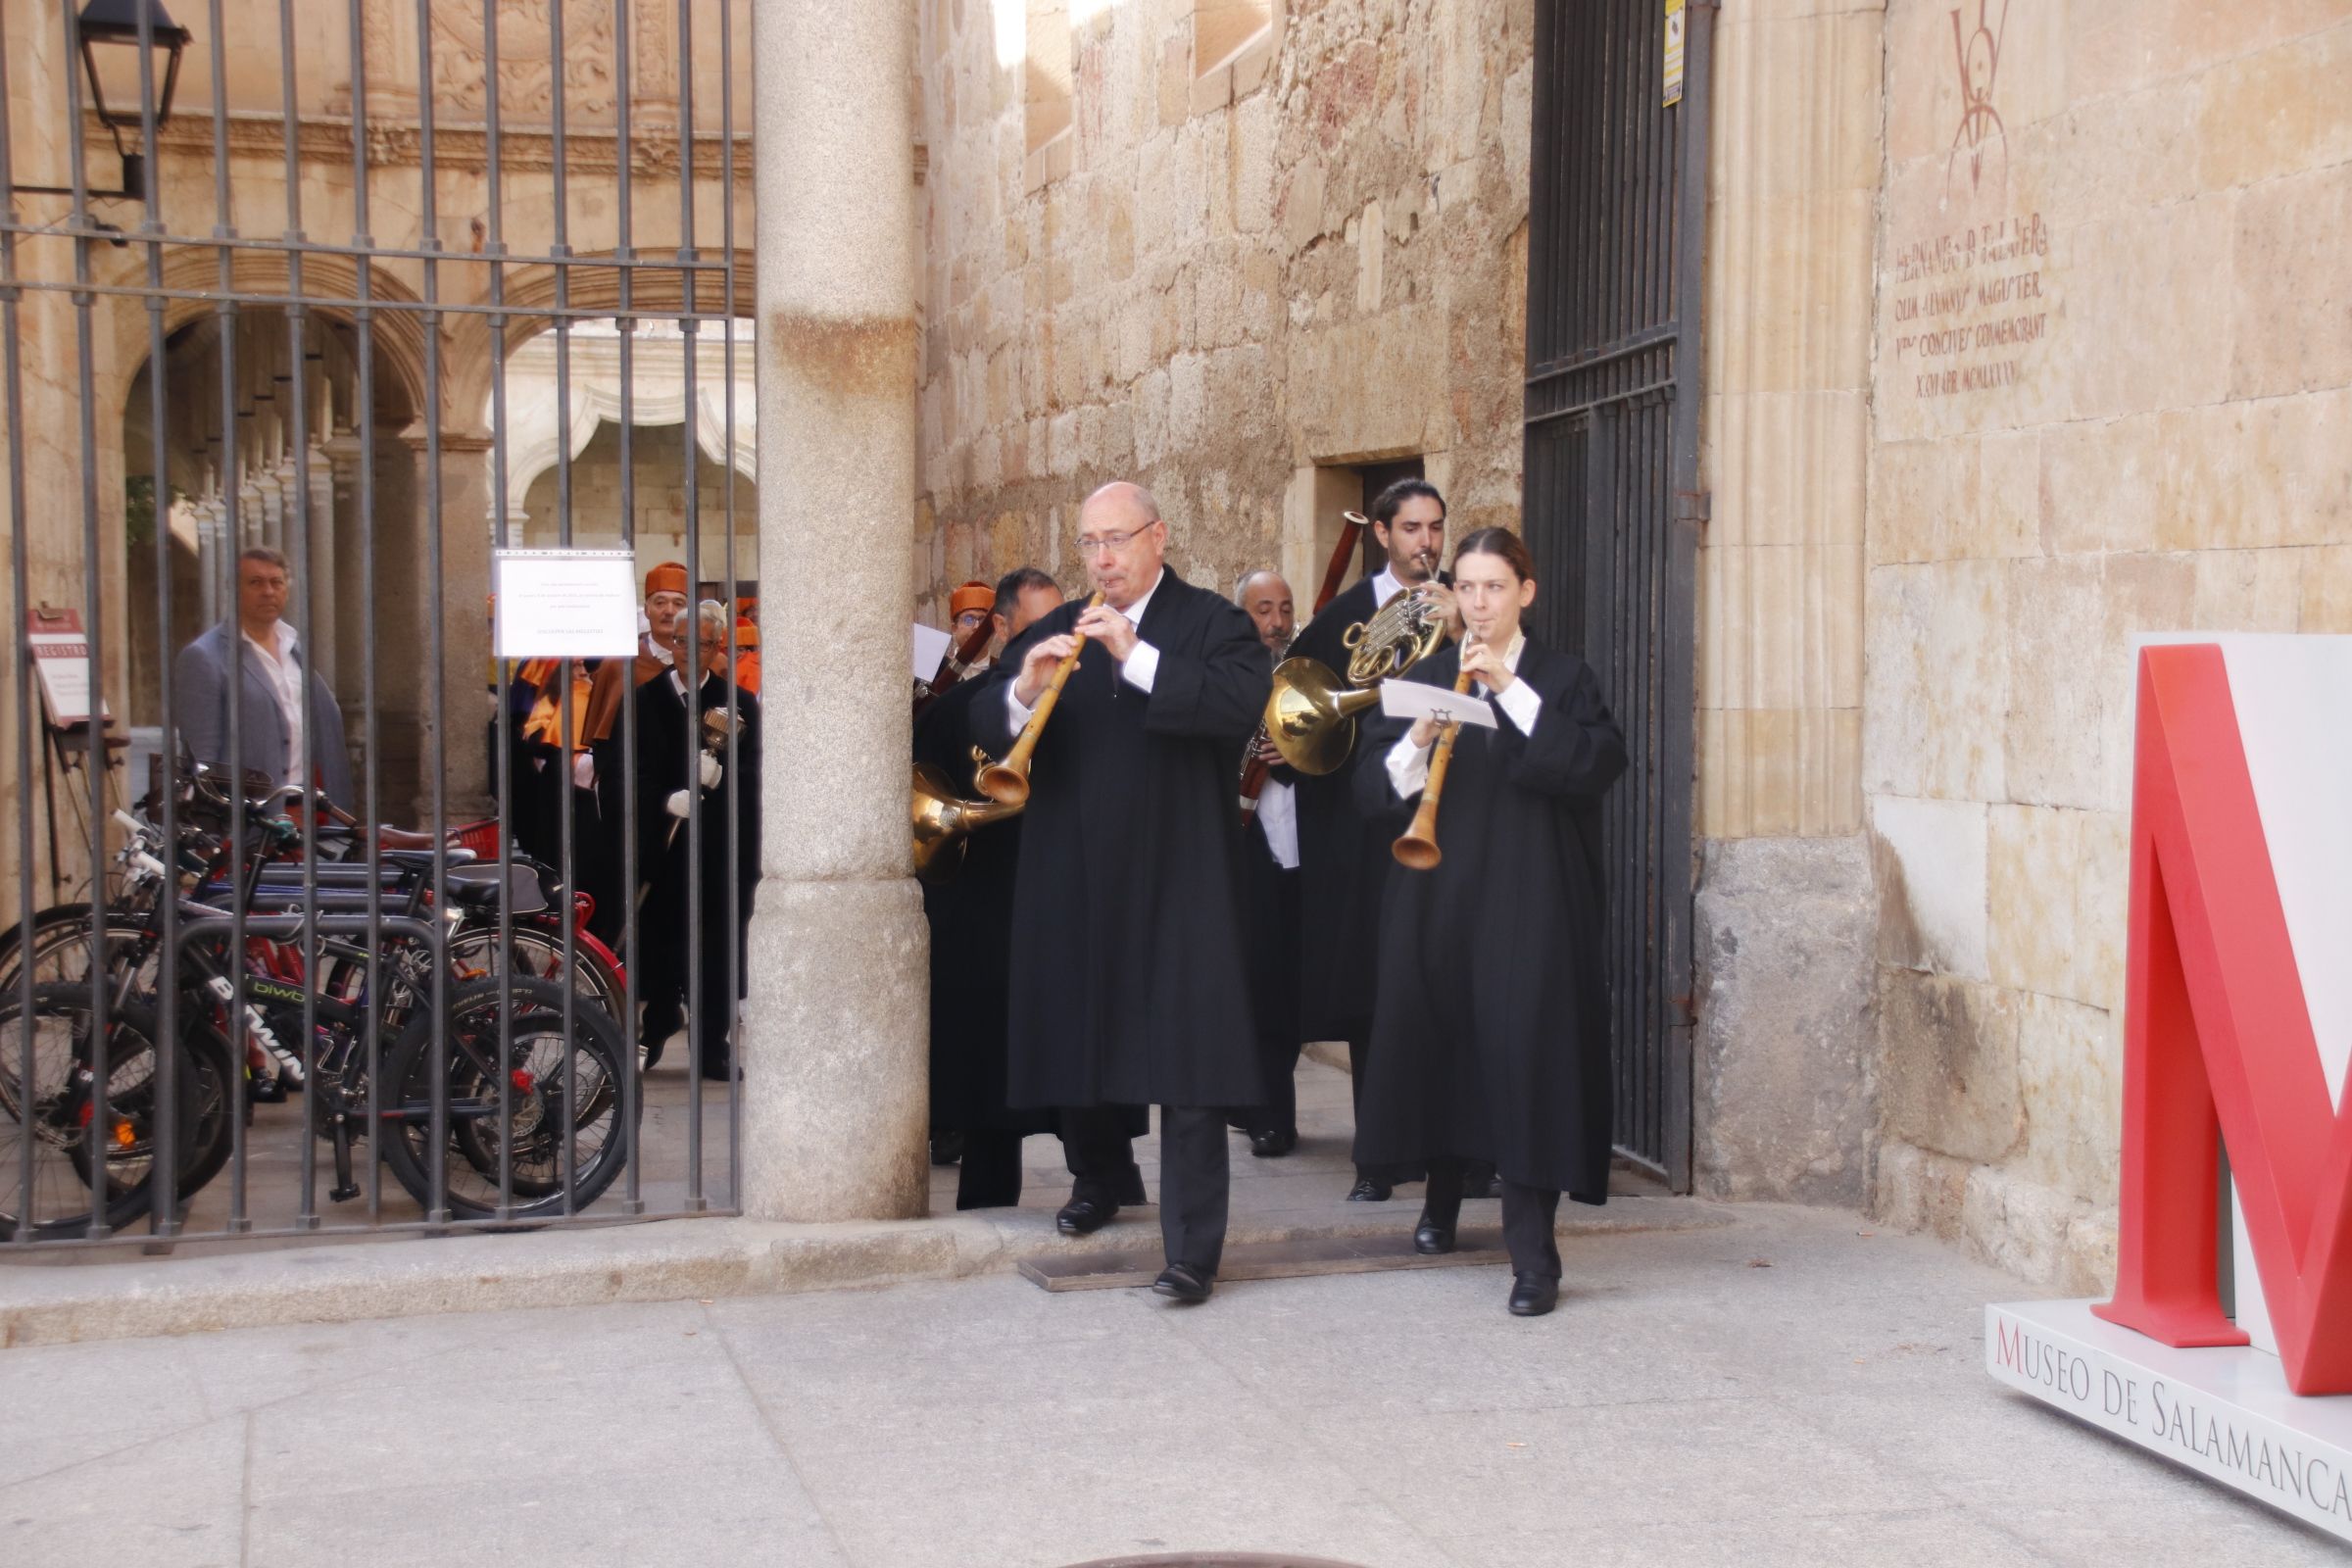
(1413, 699)
(61, 656)
(567, 604)
(930, 648)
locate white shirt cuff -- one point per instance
(1141, 667)
(1013, 706)
(1408, 766)
(1521, 705)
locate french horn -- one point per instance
(1310, 715)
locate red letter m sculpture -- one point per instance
(2219, 1046)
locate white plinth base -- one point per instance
(2223, 1413)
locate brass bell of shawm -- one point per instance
(1310, 717)
(943, 819)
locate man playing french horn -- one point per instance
(1343, 859)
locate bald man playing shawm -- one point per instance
(1128, 980)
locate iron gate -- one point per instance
(1616, 227)
(375, 281)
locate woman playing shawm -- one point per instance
(1491, 1026)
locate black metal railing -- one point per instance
(232, 984)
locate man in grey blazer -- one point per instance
(288, 726)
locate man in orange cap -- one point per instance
(969, 607)
(599, 772)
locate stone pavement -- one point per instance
(1789, 1387)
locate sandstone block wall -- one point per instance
(1226, 278)
(2111, 391)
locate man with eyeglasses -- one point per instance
(1128, 983)
(702, 741)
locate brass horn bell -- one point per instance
(1310, 717)
(943, 819)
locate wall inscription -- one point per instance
(1967, 302)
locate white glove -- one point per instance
(583, 771)
(711, 771)
(676, 806)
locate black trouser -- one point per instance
(989, 1175)
(1528, 1216)
(1099, 1155)
(1275, 998)
(1359, 1056)
(1194, 1175)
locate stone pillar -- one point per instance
(322, 634)
(835, 1101)
(466, 505)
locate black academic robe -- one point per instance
(970, 910)
(1343, 860)
(1128, 981)
(662, 860)
(1491, 1033)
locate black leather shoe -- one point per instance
(1181, 1282)
(1083, 1216)
(945, 1148)
(1273, 1143)
(1367, 1190)
(1432, 1238)
(1532, 1296)
(1489, 1186)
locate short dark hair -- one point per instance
(1499, 542)
(262, 552)
(1017, 583)
(1384, 504)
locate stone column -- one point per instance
(325, 573)
(835, 1100)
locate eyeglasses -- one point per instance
(1112, 541)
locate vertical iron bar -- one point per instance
(362, 241)
(164, 1169)
(567, 851)
(625, 153)
(429, 241)
(494, 248)
(100, 1127)
(735, 957)
(699, 1028)
(27, 698)
(297, 349)
(233, 1005)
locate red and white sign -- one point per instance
(2238, 1031)
(61, 653)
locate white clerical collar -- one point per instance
(1385, 587)
(1135, 611)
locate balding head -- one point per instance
(1268, 599)
(1123, 541)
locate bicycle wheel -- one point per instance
(60, 946)
(49, 1119)
(538, 953)
(547, 1106)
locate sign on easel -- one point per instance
(61, 653)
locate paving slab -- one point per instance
(1684, 1406)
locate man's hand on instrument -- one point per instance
(711, 771)
(1115, 631)
(1266, 752)
(1482, 663)
(583, 771)
(1036, 668)
(1425, 733)
(1449, 609)
(677, 805)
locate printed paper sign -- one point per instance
(930, 649)
(62, 653)
(567, 604)
(1413, 699)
